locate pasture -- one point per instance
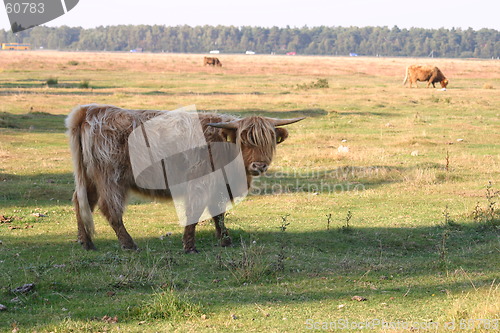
(383, 192)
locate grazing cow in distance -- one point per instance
(212, 61)
(99, 142)
(431, 74)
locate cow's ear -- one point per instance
(281, 134)
(229, 135)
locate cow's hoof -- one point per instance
(226, 241)
(129, 247)
(189, 251)
(89, 246)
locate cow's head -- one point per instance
(444, 83)
(257, 137)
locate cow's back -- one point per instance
(420, 72)
(104, 132)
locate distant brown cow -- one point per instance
(103, 168)
(432, 74)
(212, 61)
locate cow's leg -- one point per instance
(188, 239)
(217, 211)
(221, 230)
(431, 81)
(112, 208)
(83, 237)
(195, 203)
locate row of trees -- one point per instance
(373, 41)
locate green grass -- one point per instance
(415, 234)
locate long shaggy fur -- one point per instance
(103, 173)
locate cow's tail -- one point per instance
(74, 125)
(406, 76)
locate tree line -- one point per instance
(371, 41)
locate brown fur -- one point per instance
(103, 172)
(212, 61)
(431, 74)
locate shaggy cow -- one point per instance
(212, 61)
(431, 74)
(103, 170)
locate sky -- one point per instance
(435, 14)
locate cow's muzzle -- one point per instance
(257, 168)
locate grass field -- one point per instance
(408, 217)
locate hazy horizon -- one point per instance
(448, 14)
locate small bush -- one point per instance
(319, 84)
(488, 213)
(52, 81)
(85, 84)
(347, 227)
(73, 63)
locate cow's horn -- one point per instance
(281, 122)
(228, 125)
